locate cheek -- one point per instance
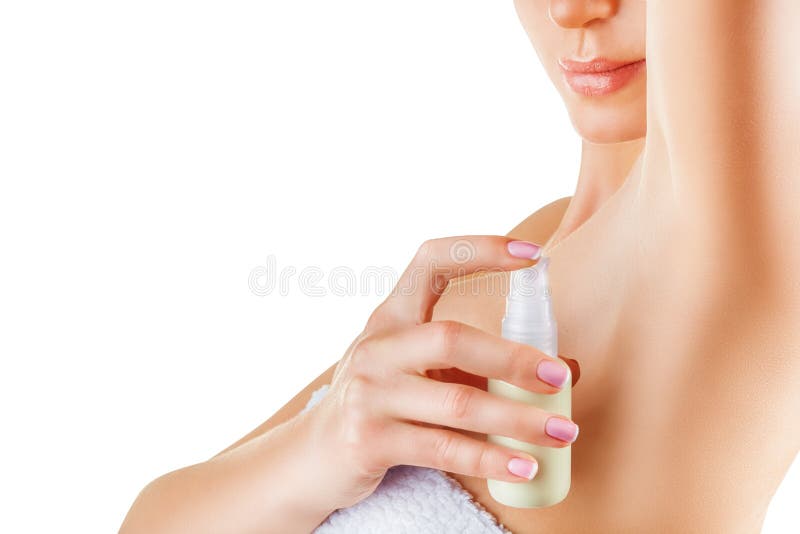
(545, 36)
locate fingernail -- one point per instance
(561, 429)
(552, 372)
(522, 467)
(524, 249)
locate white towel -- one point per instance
(411, 500)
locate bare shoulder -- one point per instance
(540, 225)
(479, 299)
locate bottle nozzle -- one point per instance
(528, 299)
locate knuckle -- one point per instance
(360, 448)
(425, 249)
(449, 332)
(375, 458)
(364, 351)
(519, 363)
(356, 432)
(357, 427)
(482, 464)
(375, 319)
(381, 317)
(355, 397)
(445, 449)
(458, 401)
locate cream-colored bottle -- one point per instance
(529, 319)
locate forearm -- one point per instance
(265, 485)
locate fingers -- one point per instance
(447, 344)
(417, 398)
(457, 375)
(440, 448)
(439, 260)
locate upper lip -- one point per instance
(594, 65)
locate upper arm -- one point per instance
(289, 410)
(723, 97)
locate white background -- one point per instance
(154, 153)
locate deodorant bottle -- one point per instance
(529, 319)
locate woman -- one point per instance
(672, 271)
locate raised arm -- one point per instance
(724, 105)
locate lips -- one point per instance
(599, 76)
(594, 65)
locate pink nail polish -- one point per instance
(522, 467)
(524, 249)
(561, 429)
(552, 372)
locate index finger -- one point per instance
(438, 261)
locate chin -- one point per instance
(601, 123)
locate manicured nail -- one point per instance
(552, 372)
(561, 429)
(524, 249)
(522, 467)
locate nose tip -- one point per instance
(579, 13)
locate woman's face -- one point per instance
(605, 105)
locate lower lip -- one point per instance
(602, 83)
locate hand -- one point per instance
(385, 407)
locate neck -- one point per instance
(604, 168)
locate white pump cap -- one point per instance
(529, 310)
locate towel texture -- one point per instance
(411, 499)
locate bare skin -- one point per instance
(689, 356)
(684, 393)
(673, 276)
